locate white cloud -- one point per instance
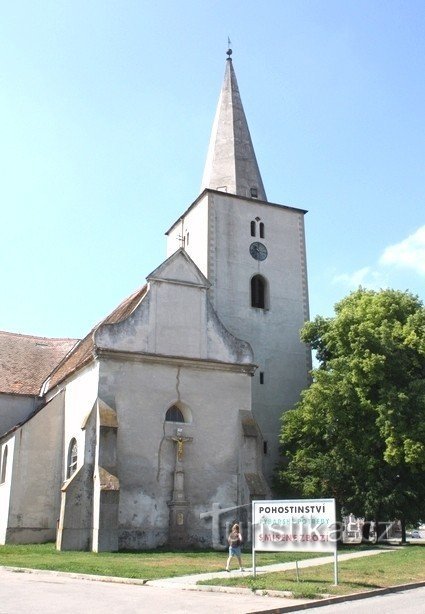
(409, 253)
(366, 277)
(352, 279)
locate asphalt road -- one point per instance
(44, 593)
(411, 601)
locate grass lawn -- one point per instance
(147, 565)
(400, 566)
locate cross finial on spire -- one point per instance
(229, 51)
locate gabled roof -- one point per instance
(26, 361)
(231, 164)
(84, 352)
(180, 268)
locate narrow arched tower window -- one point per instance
(72, 458)
(262, 233)
(3, 466)
(258, 292)
(174, 414)
(253, 228)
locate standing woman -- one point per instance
(235, 543)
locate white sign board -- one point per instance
(294, 525)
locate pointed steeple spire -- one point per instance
(231, 164)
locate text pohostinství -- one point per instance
(292, 509)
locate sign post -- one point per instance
(295, 525)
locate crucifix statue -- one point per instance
(180, 441)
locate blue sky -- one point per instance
(106, 111)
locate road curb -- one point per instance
(76, 576)
(318, 603)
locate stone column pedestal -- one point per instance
(178, 533)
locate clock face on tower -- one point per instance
(258, 251)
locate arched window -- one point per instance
(3, 466)
(72, 457)
(258, 292)
(174, 414)
(258, 227)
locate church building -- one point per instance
(161, 425)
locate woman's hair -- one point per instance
(235, 528)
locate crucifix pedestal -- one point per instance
(178, 505)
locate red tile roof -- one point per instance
(26, 361)
(84, 352)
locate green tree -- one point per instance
(358, 433)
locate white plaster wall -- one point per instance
(146, 459)
(272, 333)
(14, 408)
(174, 238)
(36, 476)
(178, 320)
(80, 395)
(195, 223)
(5, 487)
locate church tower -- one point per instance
(253, 254)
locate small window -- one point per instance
(187, 239)
(174, 414)
(265, 447)
(3, 466)
(258, 292)
(261, 377)
(254, 193)
(262, 234)
(253, 228)
(72, 458)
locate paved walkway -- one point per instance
(190, 582)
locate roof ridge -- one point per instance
(88, 346)
(11, 333)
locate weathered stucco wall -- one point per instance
(36, 465)
(175, 318)
(193, 226)
(272, 332)
(76, 510)
(14, 409)
(210, 399)
(7, 449)
(80, 396)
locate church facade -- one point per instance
(161, 425)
